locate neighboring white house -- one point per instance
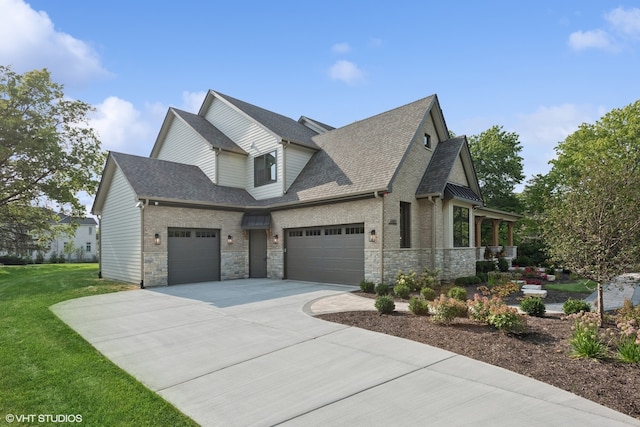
(84, 240)
(238, 191)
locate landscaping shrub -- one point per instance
(535, 251)
(533, 306)
(402, 291)
(428, 294)
(628, 319)
(485, 266)
(12, 260)
(507, 319)
(467, 280)
(367, 287)
(479, 308)
(522, 261)
(628, 312)
(384, 304)
(445, 309)
(505, 289)
(572, 306)
(458, 293)
(409, 280)
(428, 279)
(585, 340)
(503, 265)
(382, 289)
(418, 306)
(483, 277)
(39, 258)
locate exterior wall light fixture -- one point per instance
(156, 238)
(275, 239)
(372, 236)
(229, 239)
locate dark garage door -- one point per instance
(194, 255)
(331, 254)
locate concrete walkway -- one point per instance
(246, 352)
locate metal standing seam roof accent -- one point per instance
(456, 191)
(256, 221)
(285, 127)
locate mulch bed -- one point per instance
(541, 353)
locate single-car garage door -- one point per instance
(330, 254)
(194, 255)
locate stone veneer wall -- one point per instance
(458, 262)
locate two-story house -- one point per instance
(238, 191)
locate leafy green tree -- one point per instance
(48, 153)
(592, 223)
(498, 165)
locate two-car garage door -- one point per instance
(330, 254)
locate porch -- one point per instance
(497, 246)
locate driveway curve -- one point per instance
(247, 353)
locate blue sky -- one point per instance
(536, 68)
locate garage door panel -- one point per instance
(193, 255)
(332, 254)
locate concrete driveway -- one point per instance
(247, 352)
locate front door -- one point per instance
(257, 253)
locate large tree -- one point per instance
(48, 152)
(592, 223)
(498, 164)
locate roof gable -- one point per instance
(362, 156)
(201, 126)
(435, 181)
(284, 128)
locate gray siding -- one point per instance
(183, 145)
(231, 170)
(120, 230)
(296, 159)
(252, 138)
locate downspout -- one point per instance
(99, 246)
(146, 203)
(219, 150)
(285, 144)
(377, 196)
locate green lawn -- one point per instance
(583, 286)
(46, 368)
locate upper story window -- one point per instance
(265, 169)
(426, 140)
(90, 231)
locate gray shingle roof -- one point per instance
(435, 180)
(362, 156)
(160, 179)
(209, 132)
(282, 126)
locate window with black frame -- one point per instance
(265, 169)
(460, 227)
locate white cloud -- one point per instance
(192, 101)
(626, 22)
(341, 48)
(542, 130)
(121, 127)
(29, 40)
(596, 39)
(347, 72)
